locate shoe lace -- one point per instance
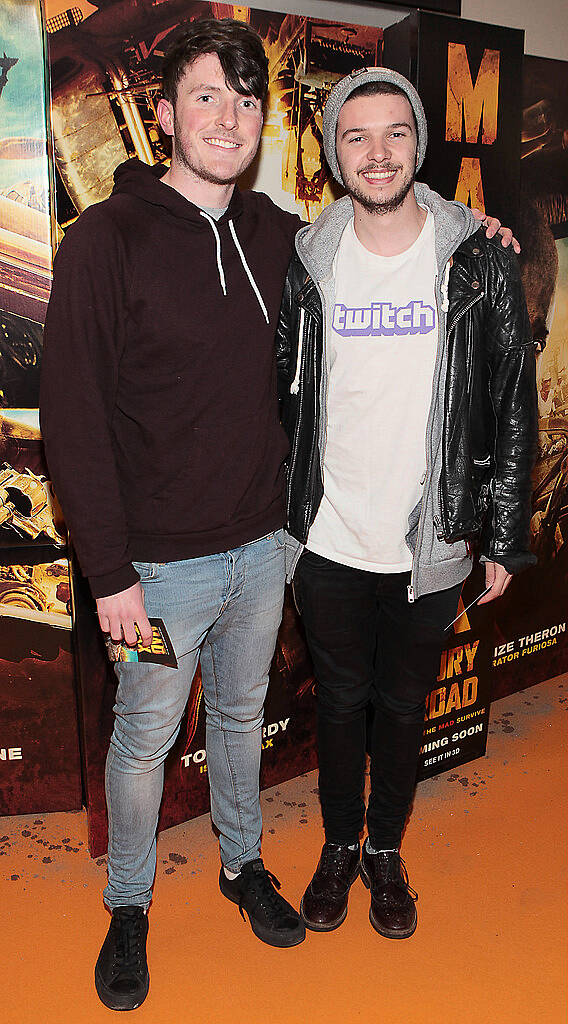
(334, 854)
(128, 945)
(264, 884)
(398, 875)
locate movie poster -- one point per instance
(530, 622)
(104, 69)
(498, 140)
(25, 229)
(39, 754)
(105, 64)
(469, 77)
(458, 705)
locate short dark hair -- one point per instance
(238, 47)
(382, 89)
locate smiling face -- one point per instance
(376, 146)
(215, 130)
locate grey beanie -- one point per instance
(342, 91)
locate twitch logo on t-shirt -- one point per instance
(381, 319)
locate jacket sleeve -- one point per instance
(514, 398)
(83, 340)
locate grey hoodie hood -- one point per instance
(317, 243)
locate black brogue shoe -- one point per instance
(393, 912)
(324, 903)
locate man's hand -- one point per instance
(498, 579)
(493, 226)
(118, 613)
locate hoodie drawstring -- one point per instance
(253, 283)
(295, 385)
(246, 267)
(218, 247)
(445, 286)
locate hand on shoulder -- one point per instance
(493, 226)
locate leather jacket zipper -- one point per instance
(295, 447)
(309, 502)
(462, 312)
(441, 525)
(438, 522)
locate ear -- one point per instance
(165, 112)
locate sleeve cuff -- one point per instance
(114, 582)
(513, 564)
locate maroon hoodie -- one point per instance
(158, 395)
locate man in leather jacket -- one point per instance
(407, 379)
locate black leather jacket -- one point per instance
(489, 434)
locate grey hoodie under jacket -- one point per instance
(436, 565)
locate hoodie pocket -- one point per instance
(221, 476)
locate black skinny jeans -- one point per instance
(369, 644)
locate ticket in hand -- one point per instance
(159, 651)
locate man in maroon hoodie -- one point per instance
(167, 454)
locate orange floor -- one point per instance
(485, 849)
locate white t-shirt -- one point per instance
(381, 353)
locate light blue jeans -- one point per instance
(225, 608)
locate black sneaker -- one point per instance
(121, 973)
(271, 918)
